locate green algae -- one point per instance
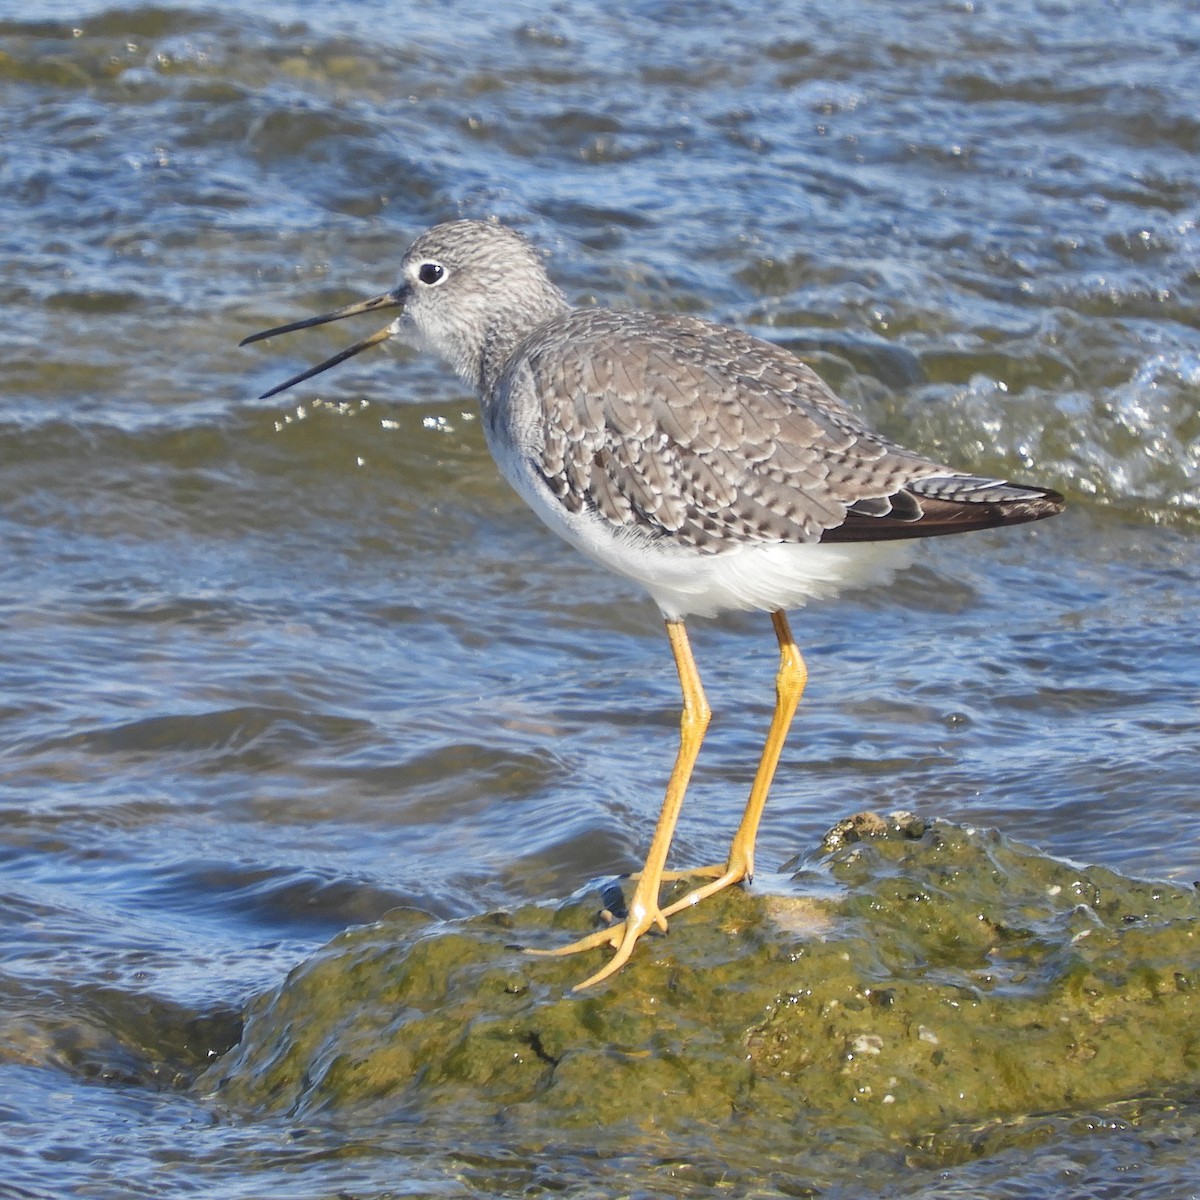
(920, 979)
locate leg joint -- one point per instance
(793, 674)
(696, 714)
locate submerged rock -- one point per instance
(918, 978)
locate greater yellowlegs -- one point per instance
(715, 469)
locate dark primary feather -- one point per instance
(705, 435)
(969, 502)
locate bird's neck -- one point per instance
(506, 331)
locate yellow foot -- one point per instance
(622, 937)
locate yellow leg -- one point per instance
(644, 910)
(789, 687)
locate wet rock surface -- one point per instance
(921, 977)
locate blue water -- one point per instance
(268, 669)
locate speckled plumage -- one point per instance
(701, 434)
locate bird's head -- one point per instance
(468, 291)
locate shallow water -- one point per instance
(269, 669)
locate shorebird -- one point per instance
(715, 469)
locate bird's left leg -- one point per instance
(644, 908)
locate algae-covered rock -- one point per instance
(919, 976)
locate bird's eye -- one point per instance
(431, 273)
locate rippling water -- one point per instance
(269, 669)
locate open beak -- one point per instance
(387, 300)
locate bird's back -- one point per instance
(673, 428)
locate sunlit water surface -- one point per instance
(269, 669)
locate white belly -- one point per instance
(684, 582)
